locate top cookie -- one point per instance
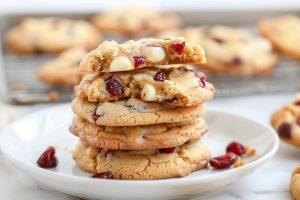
(283, 32)
(111, 56)
(63, 70)
(286, 122)
(135, 21)
(51, 35)
(230, 50)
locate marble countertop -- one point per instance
(269, 182)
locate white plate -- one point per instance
(23, 141)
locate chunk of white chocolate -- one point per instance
(149, 93)
(153, 53)
(120, 63)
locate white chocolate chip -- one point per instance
(153, 53)
(120, 63)
(149, 93)
(140, 77)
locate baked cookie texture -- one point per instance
(283, 32)
(295, 183)
(51, 35)
(110, 56)
(155, 136)
(135, 21)
(139, 110)
(230, 50)
(286, 121)
(143, 164)
(180, 86)
(63, 70)
(134, 112)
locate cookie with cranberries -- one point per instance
(286, 122)
(110, 56)
(181, 86)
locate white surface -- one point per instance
(50, 127)
(269, 182)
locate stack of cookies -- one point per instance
(139, 110)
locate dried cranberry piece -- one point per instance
(236, 61)
(138, 60)
(113, 86)
(178, 47)
(159, 76)
(297, 103)
(103, 175)
(218, 40)
(106, 152)
(298, 121)
(237, 148)
(95, 116)
(285, 130)
(167, 150)
(201, 81)
(170, 100)
(48, 158)
(224, 161)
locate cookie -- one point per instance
(295, 183)
(134, 112)
(283, 32)
(184, 85)
(286, 121)
(139, 137)
(230, 50)
(63, 70)
(149, 52)
(51, 35)
(135, 21)
(143, 164)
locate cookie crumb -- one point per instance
(53, 96)
(66, 148)
(239, 162)
(56, 146)
(250, 151)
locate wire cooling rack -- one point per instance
(20, 85)
(23, 86)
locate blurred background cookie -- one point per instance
(135, 21)
(230, 50)
(51, 35)
(63, 71)
(295, 183)
(283, 32)
(286, 121)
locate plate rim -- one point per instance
(172, 181)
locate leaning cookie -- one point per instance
(134, 112)
(135, 21)
(155, 136)
(180, 86)
(230, 50)
(283, 32)
(143, 164)
(51, 35)
(149, 52)
(295, 183)
(63, 70)
(286, 121)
